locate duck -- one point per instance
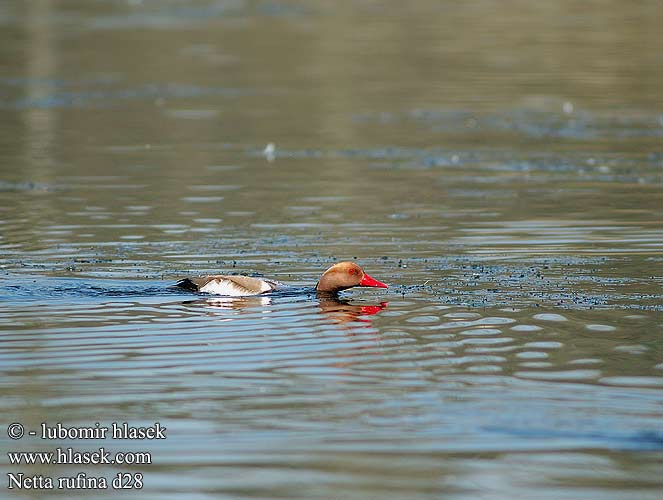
(338, 277)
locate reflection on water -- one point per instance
(234, 303)
(342, 311)
(337, 311)
(268, 382)
(501, 166)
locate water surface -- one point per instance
(499, 167)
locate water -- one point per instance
(500, 168)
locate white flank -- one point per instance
(231, 289)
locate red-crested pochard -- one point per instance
(339, 277)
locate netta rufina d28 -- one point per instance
(339, 277)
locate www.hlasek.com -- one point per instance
(71, 456)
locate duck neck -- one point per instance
(325, 287)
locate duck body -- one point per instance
(229, 286)
(339, 277)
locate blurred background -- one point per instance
(498, 164)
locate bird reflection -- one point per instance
(338, 311)
(342, 311)
(234, 303)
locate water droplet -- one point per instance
(269, 151)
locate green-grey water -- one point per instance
(499, 165)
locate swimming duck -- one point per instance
(338, 277)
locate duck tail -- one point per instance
(187, 284)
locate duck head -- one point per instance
(345, 275)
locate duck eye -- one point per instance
(352, 271)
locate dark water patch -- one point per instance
(35, 187)
(168, 16)
(642, 441)
(98, 98)
(574, 124)
(489, 166)
(120, 15)
(58, 83)
(173, 15)
(21, 288)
